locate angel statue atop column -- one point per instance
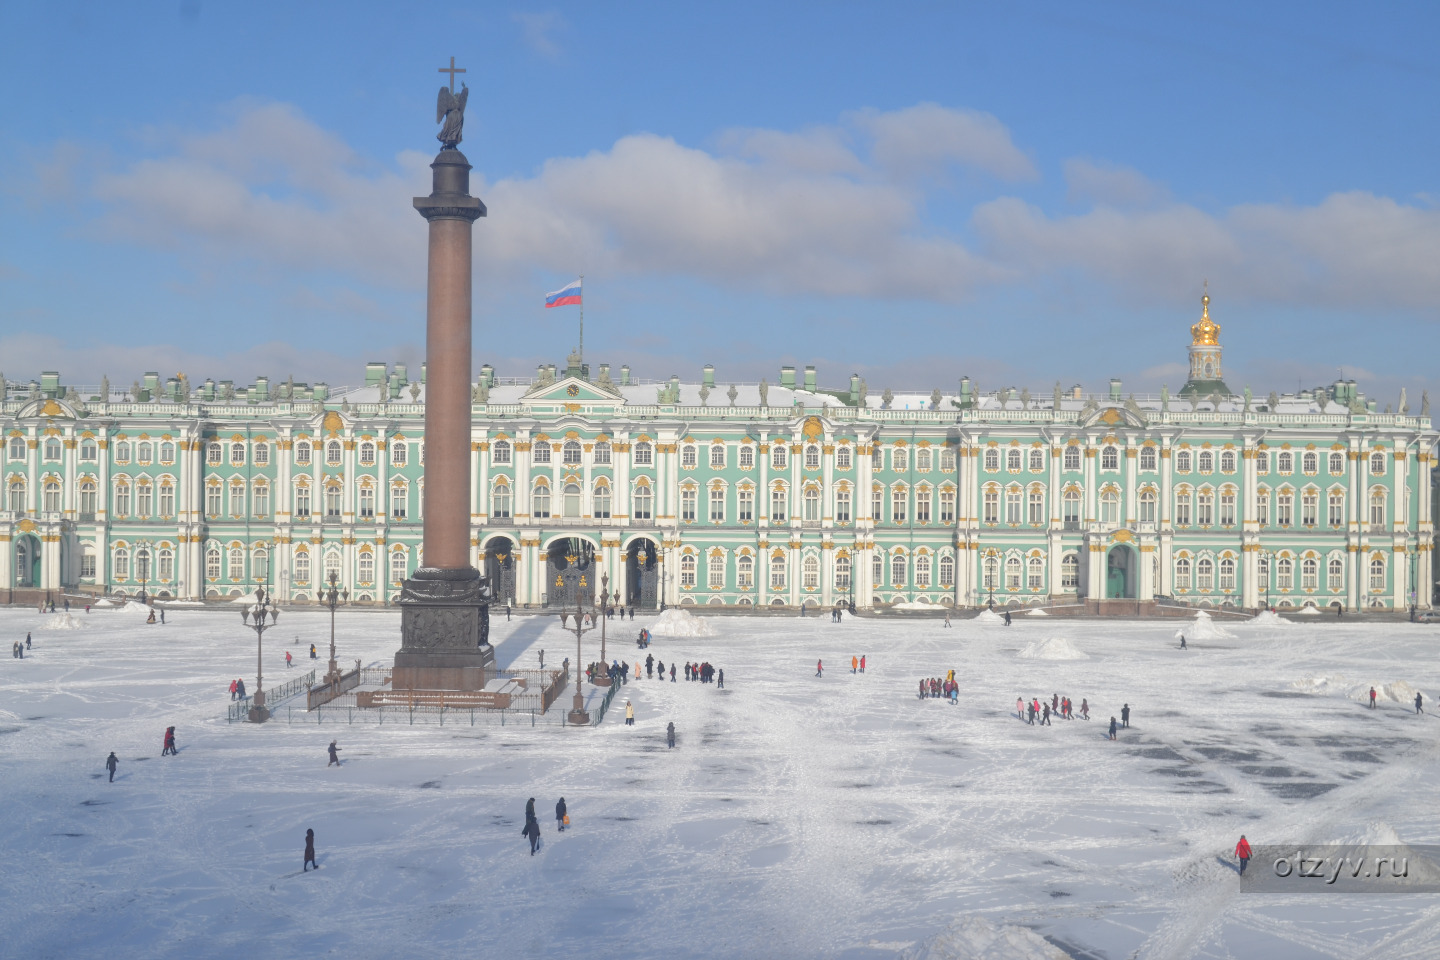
(451, 109)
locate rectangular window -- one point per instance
(302, 501)
(1337, 575)
(1309, 508)
(898, 502)
(1262, 508)
(687, 506)
(922, 506)
(602, 503)
(644, 503)
(1036, 506)
(746, 505)
(212, 500)
(842, 506)
(992, 506)
(877, 505)
(262, 500)
(367, 568)
(1227, 574)
(540, 452)
(1205, 509)
(717, 506)
(367, 503)
(87, 565)
(167, 501)
(1012, 505)
(1227, 508)
(777, 506)
(602, 453)
(1147, 508)
(1069, 572)
(777, 573)
(947, 506)
(1309, 575)
(1182, 509)
(399, 502)
(1284, 509)
(717, 572)
(237, 501)
(142, 499)
(1337, 510)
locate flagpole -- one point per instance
(582, 318)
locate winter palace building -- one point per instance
(706, 493)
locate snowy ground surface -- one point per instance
(798, 816)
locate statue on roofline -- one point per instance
(451, 109)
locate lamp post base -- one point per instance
(578, 718)
(258, 715)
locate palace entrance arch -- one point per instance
(642, 574)
(562, 590)
(1122, 573)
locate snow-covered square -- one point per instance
(797, 816)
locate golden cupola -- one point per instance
(1206, 333)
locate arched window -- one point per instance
(1012, 573)
(237, 453)
(302, 567)
(302, 453)
(1109, 458)
(237, 564)
(88, 500)
(922, 572)
(897, 570)
(166, 566)
(400, 501)
(1285, 573)
(1037, 459)
(947, 571)
(716, 579)
(1377, 573)
(842, 574)
(212, 562)
(923, 459)
(991, 579)
(1072, 457)
(643, 505)
(810, 573)
(1262, 461)
(947, 460)
(843, 457)
(900, 459)
(602, 452)
(1285, 461)
(1071, 506)
(1337, 463)
(745, 572)
(1227, 573)
(1205, 574)
(570, 453)
(1069, 572)
(52, 496)
(1182, 461)
(777, 571)
(332, 502)
(644, 454)
(333, 451)
(812, 456)
(1012, 460)
(259, 564)
(1309, 574)
(1227, 461)
(400, 452)
(992, 459)
(746, 457)
(367, 454)
(540, 501)
(142, 564)
(688, 457)
(332, 567)
(1035, 575)
(1206, 461)
(717, 455)
(1377, 463)
(366, 568)
(1147, 506)
(1377, 507)
(779, 456)
(602, 501)
(1110, 506)
(572, 500)
(17, 449)
(1310, 462)
(121, 564)
(501, 501)
(52, 449)
(88, 450)
(1182, 575)
(122, 451)
(398, 566)
(1147, 458)
(1337, 575)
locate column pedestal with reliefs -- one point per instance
(444, 613)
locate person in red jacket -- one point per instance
(1242, 851)
(819, 668)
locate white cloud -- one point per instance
(537, 28)
(926, 138)
(1110, 185)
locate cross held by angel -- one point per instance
(450, 108)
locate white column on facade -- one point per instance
(1092, 480)
(1131, 503)
(1359, 504)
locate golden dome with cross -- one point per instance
(1206, 333)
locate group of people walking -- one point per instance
(237, 689)
(531, 831)
(1038, 712)
(18, 648)
(946, 687)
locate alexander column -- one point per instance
(443, 616)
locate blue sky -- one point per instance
(1023, 193)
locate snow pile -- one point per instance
(1204, 629)
(975, 938)
(988, 616)
(1037, 612)
(1269, 618)
(1375, 832)
(1053, 648)
(917, 605)
(135, 609)
(1308, 611)
(1339, 685)
(62, 621)
(184, 603)
(676, 622)
(103, 602)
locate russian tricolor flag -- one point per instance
(566, 295)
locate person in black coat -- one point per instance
(111, 762)
(670, 733)
(530, 809)
(532, 831)
(309, 851)
(560, 815)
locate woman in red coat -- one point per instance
(1242, 850)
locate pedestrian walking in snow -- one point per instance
(111, 762)
(1182, 641)
(542, 658)
(670, 733)
(720, 682)
(1019, 708)
(27, 640)
(1055, 703)
(1125, 715)
(672, 671)
(241, 689)
(1085, 708)
(1372, 698)
(1007, 618)
(1242, 853)
(1418, 701)
(947, 618)
(232, 689)
(532, 832)
(289, 660)
(313, 654)
(819, 668)
(530, 809)
(507, 613)
(309, 852)
(854, 663)
(162, 616)
(862, 664)
(1045, 718)
(1112, 728)
(334, 755)
(1030, 713)
(649, 665)
(168, 747)
(629, 714)
(560, 816)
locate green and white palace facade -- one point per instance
(709, 493)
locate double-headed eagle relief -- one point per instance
(451, 109)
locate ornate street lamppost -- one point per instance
(604, 608)
(578, 716)
(331, 598)
(254, 617)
